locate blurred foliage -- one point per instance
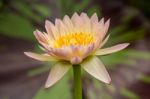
(61, 90)
(18, 18)
(129, 94)
(118, 34)
(124, 57)
(144, 78)
(68, 7)
(142, 5)
(39, 70)
(22, 28)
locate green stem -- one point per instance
(77, 82)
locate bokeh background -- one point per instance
(24, 78)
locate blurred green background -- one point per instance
(24, 78)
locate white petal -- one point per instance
(87, 50)
(42, 48)
(48, 29)
(61, 27)
(52, 29)
(62, 53)
(104, 41)
(102, 28)
(96, 68)
(39, 57)
(57, 72)
(111, 49)
(98, 28)
(74, 17)
(106, 27)
(41, 37)
(77, 22)
(76, 60)
(68, 23)
(101, 22)
(94, 18)
(86, 21)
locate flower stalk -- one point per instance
(77, 82)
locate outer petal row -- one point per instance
(96, 68)
(112, 49)
(104, 41)
(57, 72)
(93, 66)
(40, 57)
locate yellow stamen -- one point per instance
(73, 39)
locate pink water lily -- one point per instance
(75, 40)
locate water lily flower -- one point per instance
(75, 40)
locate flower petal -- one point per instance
(102, 28)
(51, 29)
(62, 53)
(62, 29)
(98, 29)
(39, 57)
(87, 50)
(96, 68)
(104, 41)
(76, 60)
(48, 29)
(68, 23)
(97, 26)
(57, 72)
(106, 27)
(101, 22)
(94, 18)
(87, 22)
(111, 49)
(77, 22)
(41, 37)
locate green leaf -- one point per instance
(38, 71)
(97, 86)
(92, 95)
(16, 26)
(129, 94)
(94, 9)
(80, 6)
(128, 55)
(42, 10)
(66, 6)
(131, 13)
(116, 30)
(26, 11)
(127, 36)
(117, 58)
(1, 4)
(60, 90)
(144, 78)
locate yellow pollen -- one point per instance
(73, 39)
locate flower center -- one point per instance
(73, 39)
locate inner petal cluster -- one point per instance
(75, 39)
(72, 39)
